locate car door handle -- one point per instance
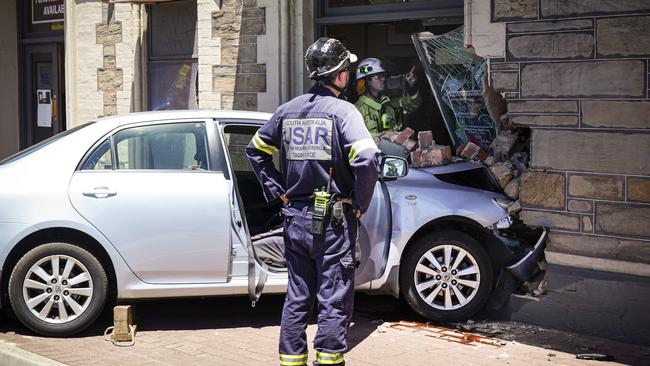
(99, 192)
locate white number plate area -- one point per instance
(307, 138)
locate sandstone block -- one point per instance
(543, 106)
(502, 172)
(544, 120)
(253, 26)
(622, 219)
(538, 189)
(583, 151)
(223, 83)
(616, 113)
(515, 207)
(512, 188)
(623, 36)
(551, 220)
(554, 46)
(109, 61)
(587, 224)
(505, 81)
(250, 83)
(253, 12)
(224, 23)
(620, 78)
(599, 247)
(638, 189)
(245, 101)
(580, 206)
(122, 320)
(596, 186)
(566, 8)
(514, 9)
(425, 139)
(109, 79)
(504, 66)
(243, 53)
(503, 143)
(251, 69)
(109, 33)
(554, 25)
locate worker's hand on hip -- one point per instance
(359, 215)
(284, 199)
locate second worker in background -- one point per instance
(381, 113)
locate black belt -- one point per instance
(299, 205)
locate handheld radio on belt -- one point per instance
(322, 199)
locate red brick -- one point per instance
(425, 139)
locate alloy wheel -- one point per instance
(447, 277)
(57, 289)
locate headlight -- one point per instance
(503, 203)
(504, 223)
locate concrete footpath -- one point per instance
(229, 332)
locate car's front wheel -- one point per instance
(58, 289)
(446, 276)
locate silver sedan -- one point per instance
(164, 204)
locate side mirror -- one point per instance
(393, 167)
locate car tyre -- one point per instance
(61, 303)
(446, 291)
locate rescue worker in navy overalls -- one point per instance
(323, 142)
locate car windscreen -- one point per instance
(21, 154)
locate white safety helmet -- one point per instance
(369, 66)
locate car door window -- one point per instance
(100, 159)
(237, 138)
(173, 146)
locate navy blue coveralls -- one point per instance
(313, 133)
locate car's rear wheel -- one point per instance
(58, 289)
(446, 276)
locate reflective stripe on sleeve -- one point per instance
(325, 358)
(293, 360)
(359, 146)
(263, 146)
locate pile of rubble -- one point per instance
(424, 152)
(507, 158)
(508, 161)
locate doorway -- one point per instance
(43, 92)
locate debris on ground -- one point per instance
(447, 334)
(594, 357)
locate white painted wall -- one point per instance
(82, 58)
(268, 52)
(209, 50)
(127, 58)
(488, 39)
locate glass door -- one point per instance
(43, 93)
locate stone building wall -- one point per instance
(577, 73)
(238, 77)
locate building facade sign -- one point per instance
(47, 11)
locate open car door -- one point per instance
(374, 236)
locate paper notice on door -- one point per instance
(44, 110)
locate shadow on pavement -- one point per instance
(370, 313)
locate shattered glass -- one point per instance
(455, 76)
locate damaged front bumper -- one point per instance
(516, 249)
(525, 267)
